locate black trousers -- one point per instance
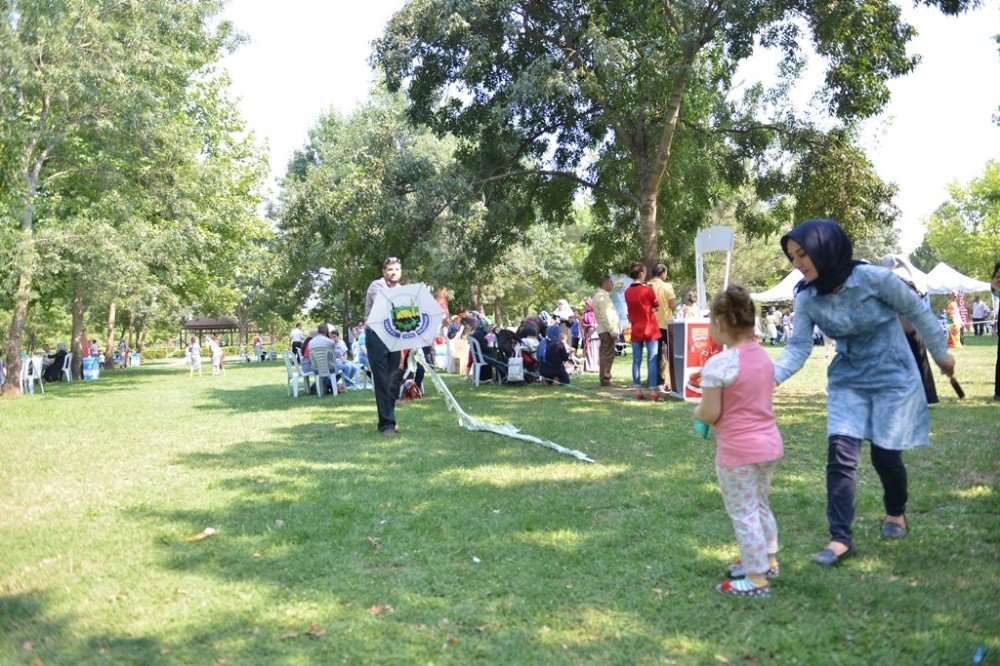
(382, 363)
(297, 349)
(843, 456)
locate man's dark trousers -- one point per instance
(382, 362)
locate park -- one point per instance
(210, 450)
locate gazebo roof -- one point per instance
(209, 324)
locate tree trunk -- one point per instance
(26, 259)
(648, 232)
(346, 324)
(474, 296)
(78, 342)
(141, 339)
(109, 343)
(497, 319)
(127, 334)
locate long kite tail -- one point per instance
(506, 429)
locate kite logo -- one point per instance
(406, 318)
(406, 321)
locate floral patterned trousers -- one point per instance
(745, 491)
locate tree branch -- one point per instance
(672, 16)
(621, 196)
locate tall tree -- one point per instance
(84, 85)
(965, 230)
(549, 97)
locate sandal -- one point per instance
(743, 588)
(736, 570)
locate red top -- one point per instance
(640, 299)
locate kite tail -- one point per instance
(506, 430)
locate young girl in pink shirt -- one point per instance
(736, 397)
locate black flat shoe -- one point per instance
(891, 530)
(828, 558)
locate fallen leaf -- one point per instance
(316, 631)
(569, 586)
(452, 640)
(220, 660)
(103, 650)
(373, 541)
(649, 455)
(164, 651)
(279, 523)
(256, 556)
(378, 609)
(289, 634)
(657, 590)
(545, 629)
(28, 646)
(205, 533)
(476, 559)
(496, 512)
(36, 662)
(255, 631)
(481, 630)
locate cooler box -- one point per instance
(91, 368)
(135, 360)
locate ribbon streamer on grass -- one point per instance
(506, 430)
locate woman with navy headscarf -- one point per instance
(874, 390)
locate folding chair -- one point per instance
(479, 362)
(31, 372)
(323, 362)
(67, 369)
(294, 374)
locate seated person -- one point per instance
(478, 331)
(343, 366)
(53, 372)
(553, 366)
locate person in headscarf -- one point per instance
(873, 384)
(588, 330)
(54, 370)
(913, 278)
(553, 366)
(563, 311)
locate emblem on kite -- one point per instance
(406, 318)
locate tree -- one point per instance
(84, 87)
(365, 187)
(964, 231)
(835, 179)
(550, 97)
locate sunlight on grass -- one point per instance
(565, 540)
(505, 476)
(975, 492)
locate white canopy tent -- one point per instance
(783, 291)
(943, 278)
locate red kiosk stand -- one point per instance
(691, 347)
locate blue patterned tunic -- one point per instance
(875, 392)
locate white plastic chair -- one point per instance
(322, 360)
(67, 369)
(713, 239)
(31, 372)
(478, 362)
(294, 374)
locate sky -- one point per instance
(312, 56)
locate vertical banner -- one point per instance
(698, 348)
(619, 283)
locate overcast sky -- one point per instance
(312, 55)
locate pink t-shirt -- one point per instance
(746, 432)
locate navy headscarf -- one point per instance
(830, 249)
(553, 333)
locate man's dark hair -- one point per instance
(604, 278)
(635, 269)
(659, 270)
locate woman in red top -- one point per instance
(641, 301)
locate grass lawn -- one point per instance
(445, 546)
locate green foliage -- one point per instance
(549, 98)
(835, 179)
(964, 232)
(924, 257)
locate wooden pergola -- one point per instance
(202, 325)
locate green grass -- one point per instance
(476, 548)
